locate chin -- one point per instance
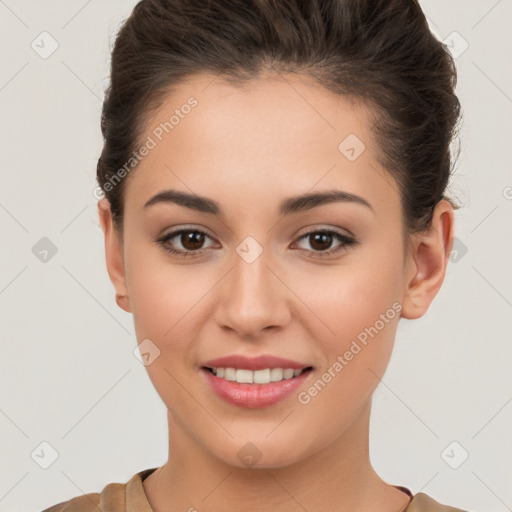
(258, 452)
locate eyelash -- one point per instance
(346, 242)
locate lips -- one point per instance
(260, 392)
(254, 396)
(254, 363)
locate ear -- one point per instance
(114, 255)
(426, 261)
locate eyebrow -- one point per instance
(288, 206)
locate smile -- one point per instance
(254, 389)
(263, 376)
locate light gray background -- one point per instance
(68, 373)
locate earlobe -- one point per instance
(427, 261)
(113, 255)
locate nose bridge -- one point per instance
(253, 298)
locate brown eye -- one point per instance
(190, 240)
(321, 241)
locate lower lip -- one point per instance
(254, 396)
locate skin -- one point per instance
(248, 148)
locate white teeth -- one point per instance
(229, 373)
(261, 376)
(244, 376)
(256, 377)
(288, 373)
(276, 374)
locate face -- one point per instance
(319, 283)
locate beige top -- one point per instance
(130, 497)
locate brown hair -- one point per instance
(380, 51)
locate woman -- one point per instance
(274, 175)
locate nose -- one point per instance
(253, 298)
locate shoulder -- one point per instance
(422, 502)
(113, 498)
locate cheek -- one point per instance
(353, 296)
(359, 304)
(165, 300)
(170, 303)
(362, 310)
(161, 294)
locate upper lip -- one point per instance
(254, 363)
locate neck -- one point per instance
(338, 478)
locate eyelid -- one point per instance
(163, 239)
(345, 241)
(313, 228)
(310, 229)
(185, 228)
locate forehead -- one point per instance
(274, 135)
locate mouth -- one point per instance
(263, 385)
(254, 382)
(256, 377)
